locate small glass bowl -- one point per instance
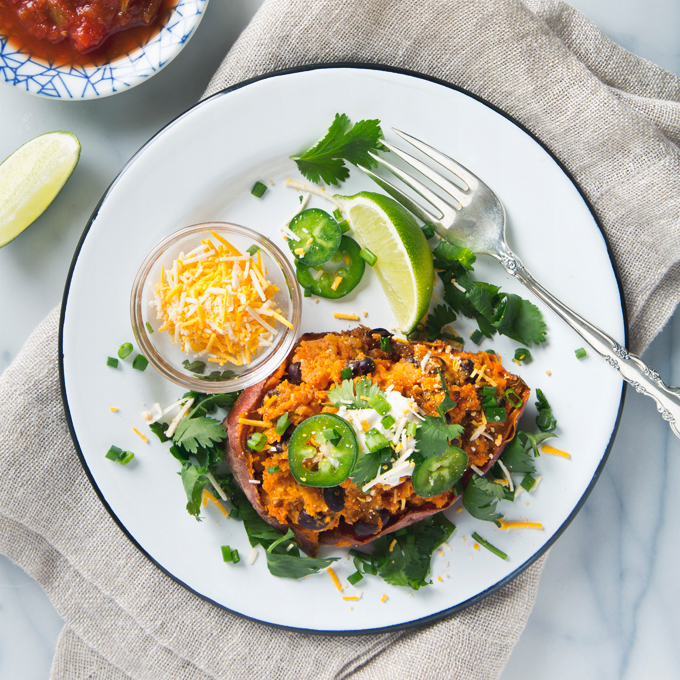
(158, 347)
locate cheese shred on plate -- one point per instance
(218, 303)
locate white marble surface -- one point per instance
(609, 602)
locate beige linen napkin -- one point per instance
(611, 118)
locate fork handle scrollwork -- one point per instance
(633, 370)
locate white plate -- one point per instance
(201, 168)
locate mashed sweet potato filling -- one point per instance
(300, 389)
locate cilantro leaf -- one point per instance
(441, 316)
(194, 432)
(343, 142)
(354, 395)
(481, 497)
(258, 531)
(193, 482)
(518, 455)
(448, 402)
(284, 562)
(520, 320)
(408, 563)
(365, 469)
(433, 436)
(159, 430)
(452, 254)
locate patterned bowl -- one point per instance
(67, 81)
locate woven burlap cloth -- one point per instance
(610, 117)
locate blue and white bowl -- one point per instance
(71, 82)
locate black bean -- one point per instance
(382, 332)
(295, 373)
(365, 528)
(278, 447)
(335, 498)
(467, 366)
(362, 366)
(410, 359)
(309, 522)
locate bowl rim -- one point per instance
(271, 359)
(81, 83)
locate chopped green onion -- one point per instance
(522, 354)
(514, 398)
(346, 374)
(114, 453)
(273, 468)
(380, 404)
(428, 230)
(528, 482)
(368, 255)
(337, 213)
(411, 429)
(226, 553)
(252, 250)
(329, 435)
(194, 366)
(375, 440)
(580, 353)
(119, 456)
(258, 189)
(489, 547)
(308, 292)
(125, 350)
(385, 344)
(149, 327)
(477, 336)
(140, 362)
(491, 351)
(282, 424)
(387, 422)
(235, 557)
(489, 402)
(111, 361)
(495, 415)
(355, 577)
(488, 391)
(545, 421)
(344, 226)
(257, 441)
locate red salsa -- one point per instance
(81, 31)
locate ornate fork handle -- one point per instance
(632, 369)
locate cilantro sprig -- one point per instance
(354, 395)
(325, 161)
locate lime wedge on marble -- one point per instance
(31, 178)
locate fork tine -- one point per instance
(417, 209)
(461, 195)
(456, 168)
(447, 210)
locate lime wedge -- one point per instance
(404, 266)
(31, 178)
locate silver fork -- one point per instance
(476, 219)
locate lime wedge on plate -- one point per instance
(31, 178)
(404, 266)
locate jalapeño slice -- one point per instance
(314, 463)
(335, 284)
(319, 236)
(439, 473)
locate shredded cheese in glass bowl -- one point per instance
(215, 307)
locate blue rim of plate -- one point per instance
(73, 83)
(445, 612)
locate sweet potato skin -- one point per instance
(343, 534)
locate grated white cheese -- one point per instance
(253, 556)
(507, 474)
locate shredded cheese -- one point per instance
(140, 435)
(554, 452)
(335, 578)
(211, 303)
(521, 525)
(207, 496)
(346, 317)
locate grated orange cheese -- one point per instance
(335, 578)
(138, 433)
(207, 496)
(346, 317)
(554, 452)
(217, 302)
(521, 525)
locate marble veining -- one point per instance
(609, 600)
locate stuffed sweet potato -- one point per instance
(392, 393)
